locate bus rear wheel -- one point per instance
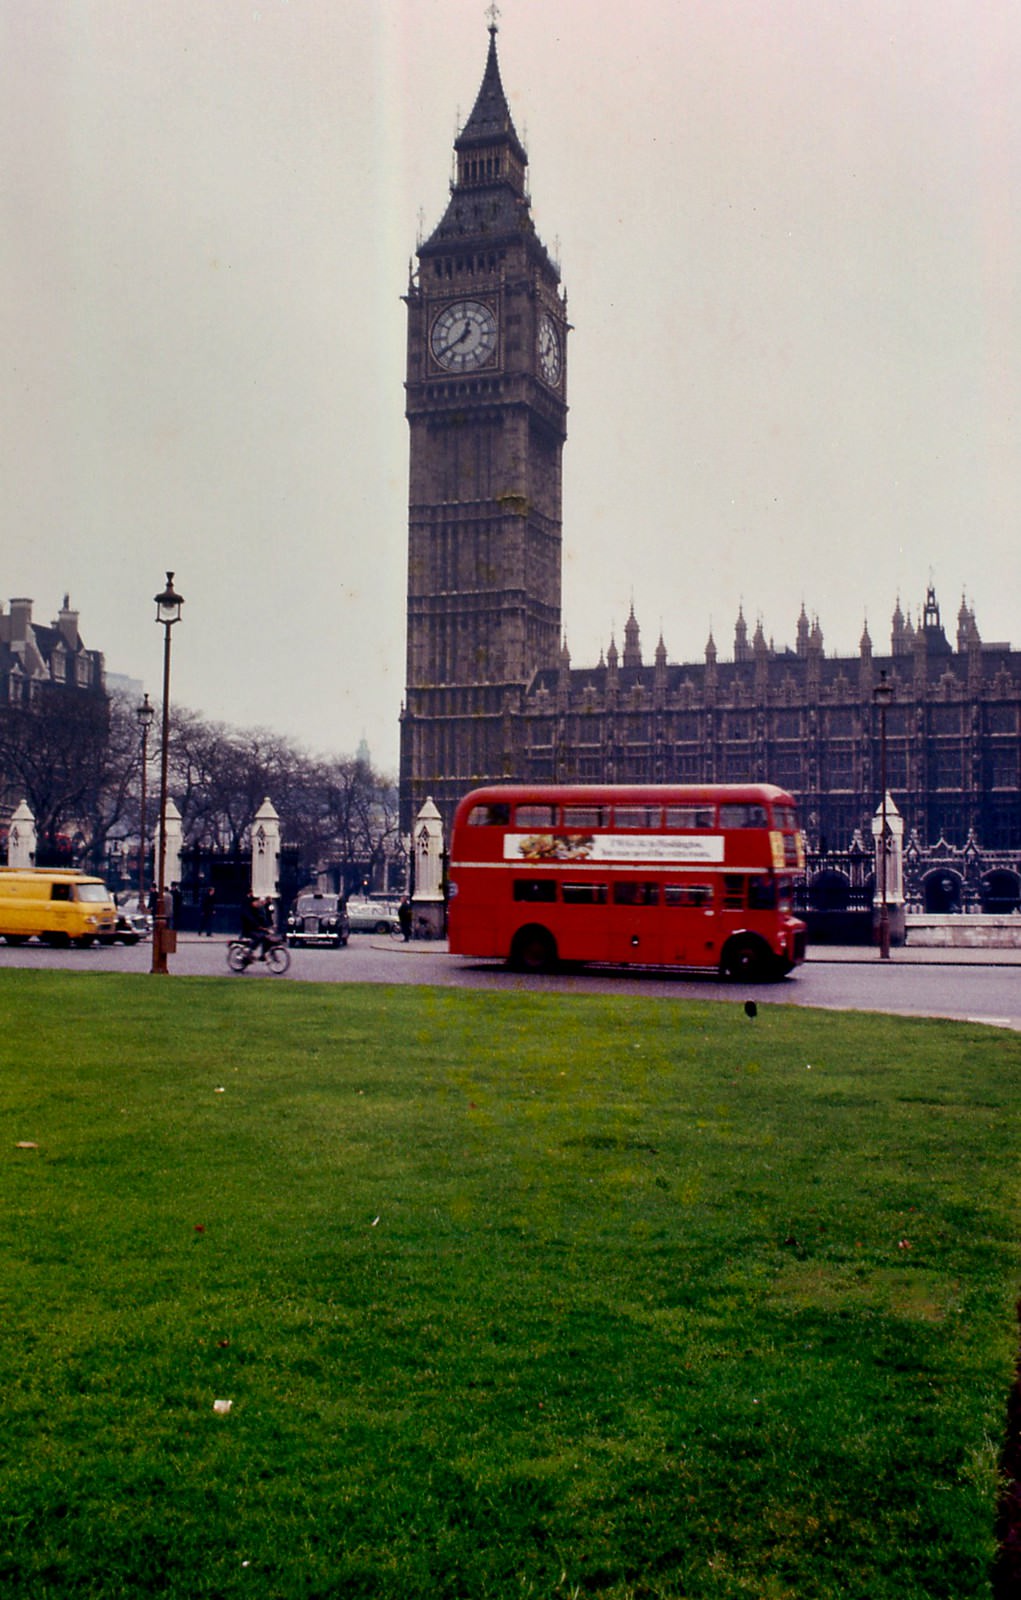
(746, 959)
(533, 950)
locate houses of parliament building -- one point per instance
(491, 691)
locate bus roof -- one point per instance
(626, 793)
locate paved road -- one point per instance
(982, 986)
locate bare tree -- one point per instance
(53, 753)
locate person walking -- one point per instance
(404, 918)
(206, 912)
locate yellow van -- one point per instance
(56, 905)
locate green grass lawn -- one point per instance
(511, 1294)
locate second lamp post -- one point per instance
(168, 611)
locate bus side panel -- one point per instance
(689, 937)
(473, 920)
(582, 932)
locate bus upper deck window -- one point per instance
(533, 816)
(636, 816)
(683, 819)
(491, 816)
(585, 816)
(743, 816)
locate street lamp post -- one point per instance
(168, 611)
(145, 714)
(882, 694)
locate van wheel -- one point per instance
(15, 938)
(745, 959)
(534, 950)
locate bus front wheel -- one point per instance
(533, 950)
(745, 959)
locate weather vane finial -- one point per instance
(493, 13)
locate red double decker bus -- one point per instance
(659, 875)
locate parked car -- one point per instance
(133, 923)
(318, 919)
(372, 916)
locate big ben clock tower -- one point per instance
(487, 410)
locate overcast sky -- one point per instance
(790, 233)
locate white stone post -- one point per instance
(894, 866)
(427, 899)
(172, 859)
(21, 840)
(266, 852)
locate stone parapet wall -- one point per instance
(969, 932)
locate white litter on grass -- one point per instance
(374, 1221)
(221, 1407)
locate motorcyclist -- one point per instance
(256, 925)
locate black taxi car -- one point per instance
(318, 919)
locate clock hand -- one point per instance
(465, 331)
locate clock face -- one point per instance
(551, 363)
(463, 336)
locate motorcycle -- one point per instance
(241, 954)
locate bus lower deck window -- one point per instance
(629, 893)
(535, 891)
(761, 893)
(687, 894)
(584, 894)
(733, 892)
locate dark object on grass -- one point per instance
(750, 1008)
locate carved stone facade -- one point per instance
(33, 656)
(804, 720)
(491, 692)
